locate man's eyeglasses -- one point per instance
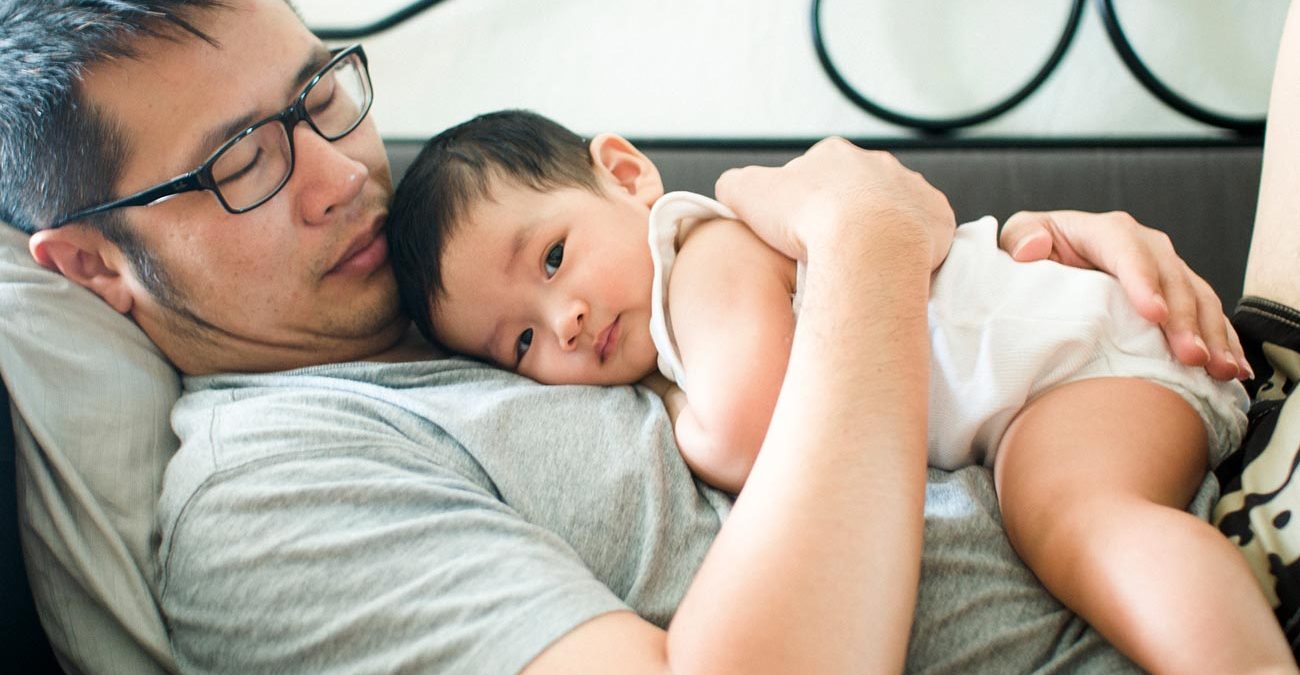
(250, 168)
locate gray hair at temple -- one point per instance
(58, 153)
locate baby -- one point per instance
(517, 242)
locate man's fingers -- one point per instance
(1141, 280)
(1215, 329)
(739, 188)
(1027, 236)
(1182, 327)
(1157, 282)
(1142, 272)
(1244, 371)
(835, 184)
(730, 183)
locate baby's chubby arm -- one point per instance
(729, 303)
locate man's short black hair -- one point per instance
(453, 172)
(58, 153)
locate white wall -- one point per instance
(747, 69)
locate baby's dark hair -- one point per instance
(453, 172)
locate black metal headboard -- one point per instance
(1243, 127)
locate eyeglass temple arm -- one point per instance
(158, 193)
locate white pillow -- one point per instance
(92, 397)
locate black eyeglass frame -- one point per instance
(201, 178)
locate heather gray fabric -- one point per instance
(453, 517)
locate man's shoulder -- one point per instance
(457, 414)
(267, 433)
(301, 408)
(229, 423)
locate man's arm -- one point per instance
(797, 580)
(1275, 243)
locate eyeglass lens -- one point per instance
(255, 166)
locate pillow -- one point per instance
(91, 397)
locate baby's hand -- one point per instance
(674, 398)
(659, 384)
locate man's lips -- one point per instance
(606, 341)
(365, 254)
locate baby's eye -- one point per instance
(521, 346)
(554, 256)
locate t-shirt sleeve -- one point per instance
(327, 562)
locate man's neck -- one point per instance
(412, 347)
(408, 346)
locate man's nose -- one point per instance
(567, 323)
(327, 179)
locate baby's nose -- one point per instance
(568, 326)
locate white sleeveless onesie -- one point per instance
(1001, 332)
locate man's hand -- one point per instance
(1159, 284)
(835, 183)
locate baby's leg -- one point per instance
(1093, 477)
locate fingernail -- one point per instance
(1160, 302)
(1200, 344)
(1227, 355)
(1244, 365)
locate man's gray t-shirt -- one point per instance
(447, 516)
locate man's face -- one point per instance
(555, 286)
(301, 279)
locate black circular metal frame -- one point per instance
(941, 125)
(1246, 126)
(357, 32)
(1242, 125)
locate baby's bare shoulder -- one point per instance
(724, 238)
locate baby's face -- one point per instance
(555, 285)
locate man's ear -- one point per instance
(86, 258)
(618, 160)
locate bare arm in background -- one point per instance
(1271, 271)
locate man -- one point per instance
(379, 511)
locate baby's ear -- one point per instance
(621, 164)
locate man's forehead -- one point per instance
(169, 100)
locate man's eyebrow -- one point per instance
(317, 60)
(220, 134)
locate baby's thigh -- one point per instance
(1100, 438)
